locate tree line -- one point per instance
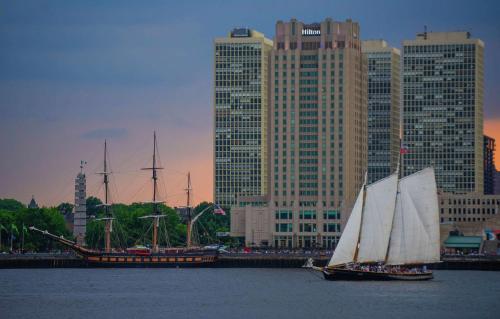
(128, 228)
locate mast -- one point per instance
(22, 239)
(361, 224)
(155, 216)
(156, 220)
(398, 172)
(188, 209)
(108, 219)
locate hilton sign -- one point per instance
(311, 32)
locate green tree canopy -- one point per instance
(65, 208)
(11, 205)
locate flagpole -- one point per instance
(22, 240)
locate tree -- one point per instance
(16, 222)
(92, 204)
(11, 205)
(65, 208)
(129, 229)
(209, 224)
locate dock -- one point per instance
(241, 260)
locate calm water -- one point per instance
(240, 293)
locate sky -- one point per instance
(73, 73)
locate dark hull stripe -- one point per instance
(344, 274)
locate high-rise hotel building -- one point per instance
(241, 111)
(383, 108)
(443, 108)
(318, 130)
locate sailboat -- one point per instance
(392, 232)
(142, 256)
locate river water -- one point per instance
(240, 293)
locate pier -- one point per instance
(240, 260)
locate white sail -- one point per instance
(377, 219)
(415, 232)
(346, 248)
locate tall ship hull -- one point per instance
(357, 275)
(194, 258)
(142, 256)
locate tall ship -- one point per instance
(142, 256)
(392, 232)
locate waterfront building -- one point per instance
(80, 209)
(471, 214)
(496, 186)
(443, 108)
(251, 221)
(489, 165)
(383, 108)
(240, 115)
(469, 208)
(317, 136)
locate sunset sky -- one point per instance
(76, 72)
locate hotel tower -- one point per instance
(317, 136)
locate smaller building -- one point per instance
(33, 204)
(250, 221)
(468, 208)
(462, 244)
(467, 215)
(489, 165)
(496, 182)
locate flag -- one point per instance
(404, 150)
(218, 210)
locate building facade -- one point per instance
(383, 108)
(318, 132)
(240, 115)
(468, 208)
(443, 109)
(496, 186)
(489, 165)
(80, 209)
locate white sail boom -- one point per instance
(346, 248)
(377, 220)
(415, 232)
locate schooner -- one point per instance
(392, 232)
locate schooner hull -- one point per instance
(357, 275)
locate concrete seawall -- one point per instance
(240, 261)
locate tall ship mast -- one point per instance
(392, 232)
(188, 210)
(156, 215)
(108, 219)
(142, 256)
